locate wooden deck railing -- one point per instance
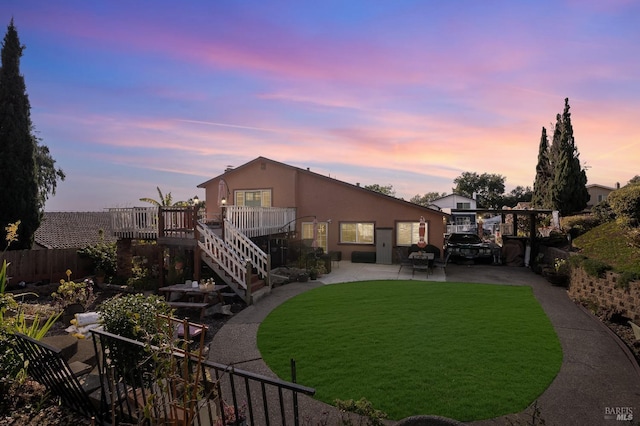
(179, 222)
(259, 221)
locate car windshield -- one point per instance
(464, 239)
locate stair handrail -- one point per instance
(247, 249)
(223, 254)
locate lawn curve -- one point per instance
(461, 350)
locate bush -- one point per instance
(104, 257)
(134, 316)
(555, 239)
(595, 268)
(625, 203)
(603, 212)
(626, 277)
(579, 224)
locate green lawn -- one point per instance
(460, 350)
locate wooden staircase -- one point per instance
(241, 265)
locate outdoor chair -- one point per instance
(403, 258)
(422, 263)
(47, 366)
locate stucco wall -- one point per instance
(326, 198)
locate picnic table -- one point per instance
(187, 296)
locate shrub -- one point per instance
(361, 407)
(579, 224)
(595, 268)
(134, 316)
(70, 292)
(104, 257)
(575, 261)
(625, 203)
(626, 277)
(603, 212)
(555, 239)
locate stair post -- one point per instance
(197, 253)
(248, 281)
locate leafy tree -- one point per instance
(386, 190)
(569, 189)
(634, 180)
(517, 195)
(488, 188)
(426, 199)
(544, 175)
(165, 200)
(18, 164)
(48, 174)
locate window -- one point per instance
(407, 233)
(307, 234)
(463, 220)
(601, 198)
(356, 233)
(465, 206)
(254, 198)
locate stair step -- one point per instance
(67, 344)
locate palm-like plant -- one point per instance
(165, 200)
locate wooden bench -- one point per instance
(202, 306)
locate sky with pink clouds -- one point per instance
(133, 95)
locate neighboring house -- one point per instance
(460, 221)
(598, 193)
(60, 230)
(349, 217)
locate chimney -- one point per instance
(617, 185)
(358, 184)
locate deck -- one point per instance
(170, 225)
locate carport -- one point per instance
(518, 215)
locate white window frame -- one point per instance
(414, 232)
(360, 232)
(265, 197)
(323, 234)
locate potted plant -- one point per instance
(230, 417)
(73, 297)
(313, 273)
(559, 274)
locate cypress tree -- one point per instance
(544, 175)
(569, 191)
(18, 167)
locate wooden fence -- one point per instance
(45, 266)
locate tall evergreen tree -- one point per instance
(18, 166)
(569, 190)
(544, 175)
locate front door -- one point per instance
(384, 246)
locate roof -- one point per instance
(73, 229)
(596, 185)
(317, 175)
(453, 195)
